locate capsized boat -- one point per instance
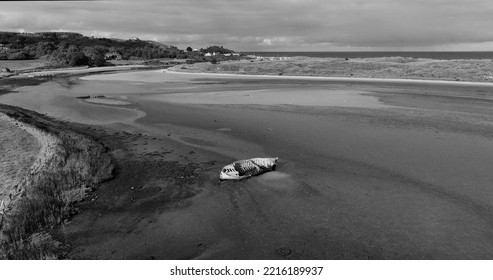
(245, 168)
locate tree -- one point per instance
(189, 49)
(44, 48)
(18, 55)
(95, 56)
(216, 49)
(3, 55)
(77, 59)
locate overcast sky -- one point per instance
(269, 25)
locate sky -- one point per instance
(269, 25)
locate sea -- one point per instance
(432, 55)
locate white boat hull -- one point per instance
(246, 168)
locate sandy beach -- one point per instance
(368, 169)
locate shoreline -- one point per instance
(48, 143)
(67, 167)
(76, 71)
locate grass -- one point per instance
(77, 164)
(480, 70)
(19, 149)
(16, 65)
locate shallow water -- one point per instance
(358, 180)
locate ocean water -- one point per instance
(432, 55)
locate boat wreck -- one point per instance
(246, 168)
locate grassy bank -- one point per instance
(71, 166)
(385, 67)
(19, 69)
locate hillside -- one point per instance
(75, 49)
(63, 49)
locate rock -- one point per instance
(283, 251)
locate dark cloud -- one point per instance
(268, 24)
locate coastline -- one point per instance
(76, 71)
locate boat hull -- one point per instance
(246, 168)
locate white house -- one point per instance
(208, 54)
(112, 56)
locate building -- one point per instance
(113, 56)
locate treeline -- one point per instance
(216, 49)
(74, 49)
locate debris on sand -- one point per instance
(245, 168)
(283, 251)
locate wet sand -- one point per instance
(397, 171)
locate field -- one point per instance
(16, 65)
(386, 67)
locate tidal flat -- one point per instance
(367, 170)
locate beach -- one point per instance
(368, 169)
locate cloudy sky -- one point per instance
(269, 25)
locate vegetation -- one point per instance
(73, 49)
(75, 166)
(385, 67)
(216, 49)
